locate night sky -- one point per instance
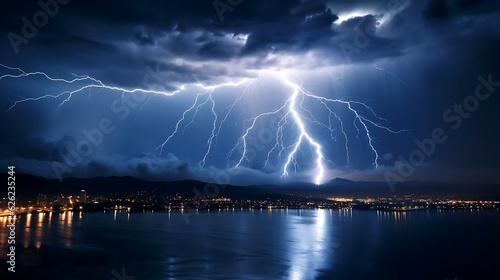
(429, 68)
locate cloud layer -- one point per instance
(430, 54)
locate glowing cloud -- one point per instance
(293, 115)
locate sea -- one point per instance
(255, 244)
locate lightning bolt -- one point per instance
(292, 113)
(303, 134)
(208, 91)
(212, 134)
(292, 110)
(390, 73)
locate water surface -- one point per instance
(258, 244)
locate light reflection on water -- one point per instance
(308, 247)
(398, 217)
(39, 230)
(27, 231)
(256, 243)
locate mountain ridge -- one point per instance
(336, 187)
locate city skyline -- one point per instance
(307, 91)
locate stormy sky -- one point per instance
(428, 67)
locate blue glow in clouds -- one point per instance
(293, 114)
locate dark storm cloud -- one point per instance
(446, 9)
(372, 46)
(184, 41)
(25, 140)
(146, 166)
(191, 29)
(144, 39)
(104, 34)
(436, 9)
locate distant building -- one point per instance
(44, 200)
(83, 197)
(61, 200)
(221, 199)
